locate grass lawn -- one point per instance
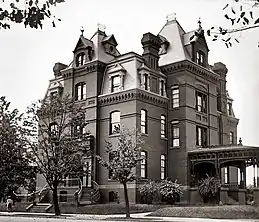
(108, 209)
(216, 212)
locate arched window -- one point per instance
(143, 123)
(115, 122)
(80, 59)
(80, 91)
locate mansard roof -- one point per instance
(178, 40)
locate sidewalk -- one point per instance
(138, 215)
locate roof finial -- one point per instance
(240, 142)
(82, 30)
(171, 17)
(101, 27)
(199, 22)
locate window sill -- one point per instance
(111, 180)
(115, 135)
(144, 134)
(174, 147)
(164, 138)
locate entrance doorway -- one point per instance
(87, 175)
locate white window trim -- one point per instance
(121, 75)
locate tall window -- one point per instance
(175, 136)
(79, 130)
(143, 165)
(231, 137)
(226, 173)
(145, 81)
(200, 58)
(80, 59)
(115, 122)
(175, 97)
(201, 136)
(80, 91)
(162, 167)
(163, 126)
(201, 102)
(115, 83)
(162, 87)
(229, 109)
(143, 121)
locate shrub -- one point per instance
(147, 191)
(209, 187)
(170, 191)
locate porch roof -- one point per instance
(224, 148)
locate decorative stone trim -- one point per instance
(87, 68)
(131, 95)
(192, 67)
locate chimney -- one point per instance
(222, 70)
(58, 67)
(151, 45)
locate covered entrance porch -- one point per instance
(228, 163)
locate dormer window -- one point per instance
(162, 87)
(229, 109)
(145, 81)
(115, 83)
(80, 91)
(200, 58)
(80, 59)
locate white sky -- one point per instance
(27, 56)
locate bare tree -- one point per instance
(50, 143)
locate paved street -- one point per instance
(80, 218)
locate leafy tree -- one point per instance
(241, 15)
(125, 157)
(51, 146)
(29, 12)
(14, 167)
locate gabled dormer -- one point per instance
(199, 47)
(83, 51)
(110, 44)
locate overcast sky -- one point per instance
(27, 56)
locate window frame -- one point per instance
(114, 123)
(115, 87)
(175, 135)
(229, 108)
(143, 165)
(200, 58)
(145, 81)
(80, 91)
(80, 59)
(231, 137)
(162, 166)
(53, 129)
(143, 121)
(201, 136)
(175, 97)
(203, 107)
(163, 126)
(162, 87)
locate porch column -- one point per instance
(242, 176)
(257, 174)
